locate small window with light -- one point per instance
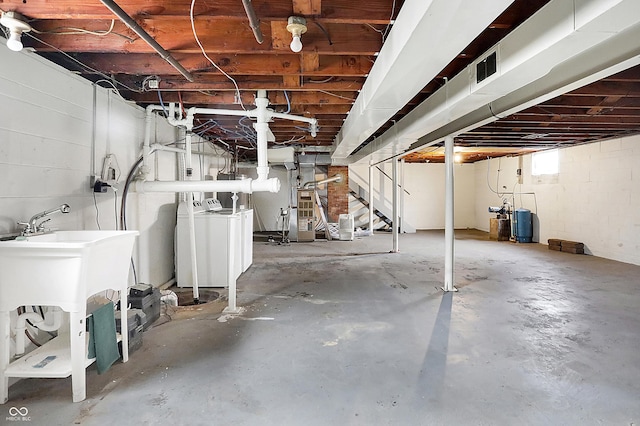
(544, 163)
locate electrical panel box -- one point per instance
(306, 215)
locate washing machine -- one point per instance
(218, 234)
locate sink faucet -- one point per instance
(33, 228)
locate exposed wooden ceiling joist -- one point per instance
(339, 49)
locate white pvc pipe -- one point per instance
(313, 121)
(146, 150)
(160, 147)
(247, 186)
(371, 199)
(262, 130)
(263, 115)
(396, 219)
(448, 224)
(231, 276)
(192, 247)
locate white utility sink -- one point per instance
(62, 269)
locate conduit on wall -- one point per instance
(261, 184)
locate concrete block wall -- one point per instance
(55, 130)
(594, 199)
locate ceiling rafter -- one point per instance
(339, 50)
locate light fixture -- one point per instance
(297, 26)
(16, 25)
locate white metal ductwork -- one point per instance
(426, 36)
(562, 47)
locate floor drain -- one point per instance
(185, 295)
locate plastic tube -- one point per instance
(51, 322)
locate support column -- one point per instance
(401, 192)
(396, 215)
(371, 166)
(448, 223)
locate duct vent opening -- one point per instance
(487, 67)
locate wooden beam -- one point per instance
(254, 65)
(310, 62)
(339, 11)
(219, 82)
(227, 97)
(307, 7)
(216, 35)
(291, 81)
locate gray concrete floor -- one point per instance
(345, 333)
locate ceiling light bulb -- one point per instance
(297, 26)
(14, 43)
(16, 25)
(296, 44)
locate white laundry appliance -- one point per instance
(218, 234)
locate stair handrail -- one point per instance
(390, 178)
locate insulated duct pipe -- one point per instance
(133, 25)
(254, 22)
(317, 183)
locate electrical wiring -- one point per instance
(79, 31)
(195, 35)
(326, 80)
(115, 89)
(86, 67)
(115, 207)
(497, 179)
(75, 31)
(337, 96)
(95, 203)
(164, 109)
(288, 102)
(386, 31)
(292, 140)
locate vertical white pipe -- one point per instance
(146, 146)
(401, 192)
(396, 218)
(371, 199)
(192, 247)
(262, 130)
(448, 224)
(192, 221)
(231, 273)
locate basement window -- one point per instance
(544, 163)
